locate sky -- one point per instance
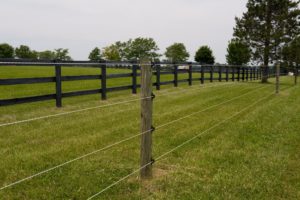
(81, 25)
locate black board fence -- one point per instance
(220, 73)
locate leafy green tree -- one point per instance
(141, 48)
(6, 51)
(46, 55)
(95, 55)
(62, 54)
(266, 26)
(24, 52)
(112, 53)
(177, 53)
(205, 55)
(238, 53)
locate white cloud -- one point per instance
(81, 25)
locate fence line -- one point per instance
(122, 141)
(179, 146)
(101, 106)
(239, 73)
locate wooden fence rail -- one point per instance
(216, 73)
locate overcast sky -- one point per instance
(81, 25)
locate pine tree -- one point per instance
(267, 26)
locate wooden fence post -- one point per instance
(103, 82)
(157, 77)
(227, 73)
(243, 76)
(239, 73)
(277, 77)
(247, 73)
(58, 86)
(296, 74)
(251, 74)
(134, 78)
(211, 74)
(220, 73)
(175, 76)
(202, 74)
(190, 74)
(232, 72)
(146, 120)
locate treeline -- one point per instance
(24, 52)
(135, 49)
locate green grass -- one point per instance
(253, 156)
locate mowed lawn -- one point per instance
(252, 151)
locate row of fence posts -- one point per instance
(242, 74)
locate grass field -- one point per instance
(254, 155)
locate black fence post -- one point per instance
(251, 74)
(243, 71)
(247, 73)
(157, 77)
(227, 74)
(190, 74)
(202, 74)
(58, 86)
(211, 74)
(239, 73)
(103, 82)
(175, 76)
(232, 72)
(134, 78)
(220, 73)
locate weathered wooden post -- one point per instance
(58, 86)
(277, 77)
(146, 120)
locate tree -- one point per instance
(266, 26)
(238, 53)
(95, 55)
(6, 51)
(205, 55)
(112, 53)
(24, 52)
(62, 54)
(177, 53)
(141, 48)
(291, 52)
(46, 55)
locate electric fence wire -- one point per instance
(179, 146)
(122, 141)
